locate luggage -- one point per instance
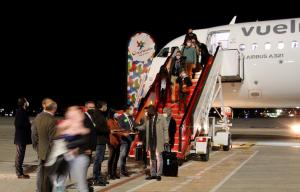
(170, 163)
(139, 152)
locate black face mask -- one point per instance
(151, 112)
(91, 111)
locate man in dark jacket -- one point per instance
(22, 136)
(89, 123)
(204, 54)
(102, 138)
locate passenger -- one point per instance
(73, 130)
(189, 36)
(102, 139)
(90, 124)
(114, 146)
(204, 54)
(164, 86)
(198, 52)
(157, 137)
(43, 131)
(142, 139)
(191, 57)
(22, 136)
(126, 123)
(183, 91)
(167, 112)
(178, 63)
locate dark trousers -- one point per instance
(19, 159)
(100, 152)
(162, 97)
(182, 100)
(43, 181)
(114, 153)
(144, 155)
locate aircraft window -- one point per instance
(242, 47)
(164, 52)
(295, 44)
(280, 45)
(267, 46)
(254, 46)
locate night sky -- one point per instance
(74, 56)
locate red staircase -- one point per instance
(182, 119)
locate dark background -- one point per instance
(75, 55)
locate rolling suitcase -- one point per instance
(170, 163)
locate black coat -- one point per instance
(172, 128)
(88, 123)
(101, 128)
(204, 54)
(22, 128)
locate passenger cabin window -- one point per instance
(267, 46)
(164, 52)
(254, 46)
(295, 44)
(242, 47)
(280, 45)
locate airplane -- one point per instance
(267, 75)
(252, 65)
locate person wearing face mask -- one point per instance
(90, 124)
(190, 54)
(102, 139)
(167, 112)
(22, 136)
(126, 123)
(178, 63)
(157, 137)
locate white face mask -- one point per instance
(177, 56)
(146, 114)
(130, 112)
(189, 44)
(165, 115)
(27, 104)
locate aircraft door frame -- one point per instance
(217, 38)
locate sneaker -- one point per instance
(158, 178)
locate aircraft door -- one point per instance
(217, 38)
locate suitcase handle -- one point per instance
(167, 147)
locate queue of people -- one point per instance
(66, 148)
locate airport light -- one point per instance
(296, 128)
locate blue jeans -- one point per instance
(100, 151)
(124, 151)
(78, 168)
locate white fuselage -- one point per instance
(271, 50)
